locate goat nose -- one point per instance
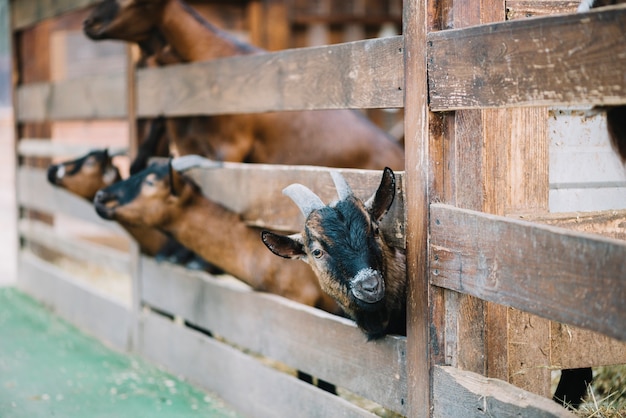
(368, 286)
(100, 196)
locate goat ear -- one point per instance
(381, 200)
(283, 245)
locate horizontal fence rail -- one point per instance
(325, 345)
(553, 60)
(555, 273)
(361, 74)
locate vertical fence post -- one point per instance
(135, 254)
(417, 199)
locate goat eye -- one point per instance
(317, 253)
(149, 182)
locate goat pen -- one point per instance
(490, 268)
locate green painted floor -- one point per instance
(50, 369)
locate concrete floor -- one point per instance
(50, 369)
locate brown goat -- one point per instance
(300, 137)
(343, 245)
(162, 198)
(86, 175)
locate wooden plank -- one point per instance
(255, 191)
(459, 393)
(34, 192)
(255, 390)
(572, 347)
(419, 167)
(82, 305)
(550, 272)
(33, 147)
(27, 13)
(329, 77)
(610, 223)
(102, 255)
(554, 60)
(89, 97)
(523, 9)
(325, 345)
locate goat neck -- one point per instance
(195, 39)
(222, 238)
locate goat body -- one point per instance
(336, 138)
(343, 245)
(162, 198)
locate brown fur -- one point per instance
(338, 138)
(88, 180)
(216, 234)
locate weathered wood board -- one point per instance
(324, 345)
(363, 74)
(252, 388)
(459, 393)
(550, 272)
(255, 191)
(553, 60)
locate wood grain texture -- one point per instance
(363, 74)
(418, 168)
(610, 223)
(522, 9)
(459, 393)
(554, 60)
(547, 271)
(255, 191)
(324, 345)
(250, 387)
(35, 147)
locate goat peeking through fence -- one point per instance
(344, 246)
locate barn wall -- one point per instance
(585, 173)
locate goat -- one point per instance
(295, 137)
(161, 197)
(345, 248)
(86, 175)
(365, 275)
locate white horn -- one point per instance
(342, 186)
(304, 198)
(187, 162)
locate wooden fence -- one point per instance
(489, 268)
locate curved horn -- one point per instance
(304, 198)
(187, 162)
(342, 186)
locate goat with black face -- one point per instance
(354, 264)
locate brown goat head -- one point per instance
(129, 20)
(86, 175)
(343, 245)
(152, 197)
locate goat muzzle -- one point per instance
(102, 202)
(368, 286)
